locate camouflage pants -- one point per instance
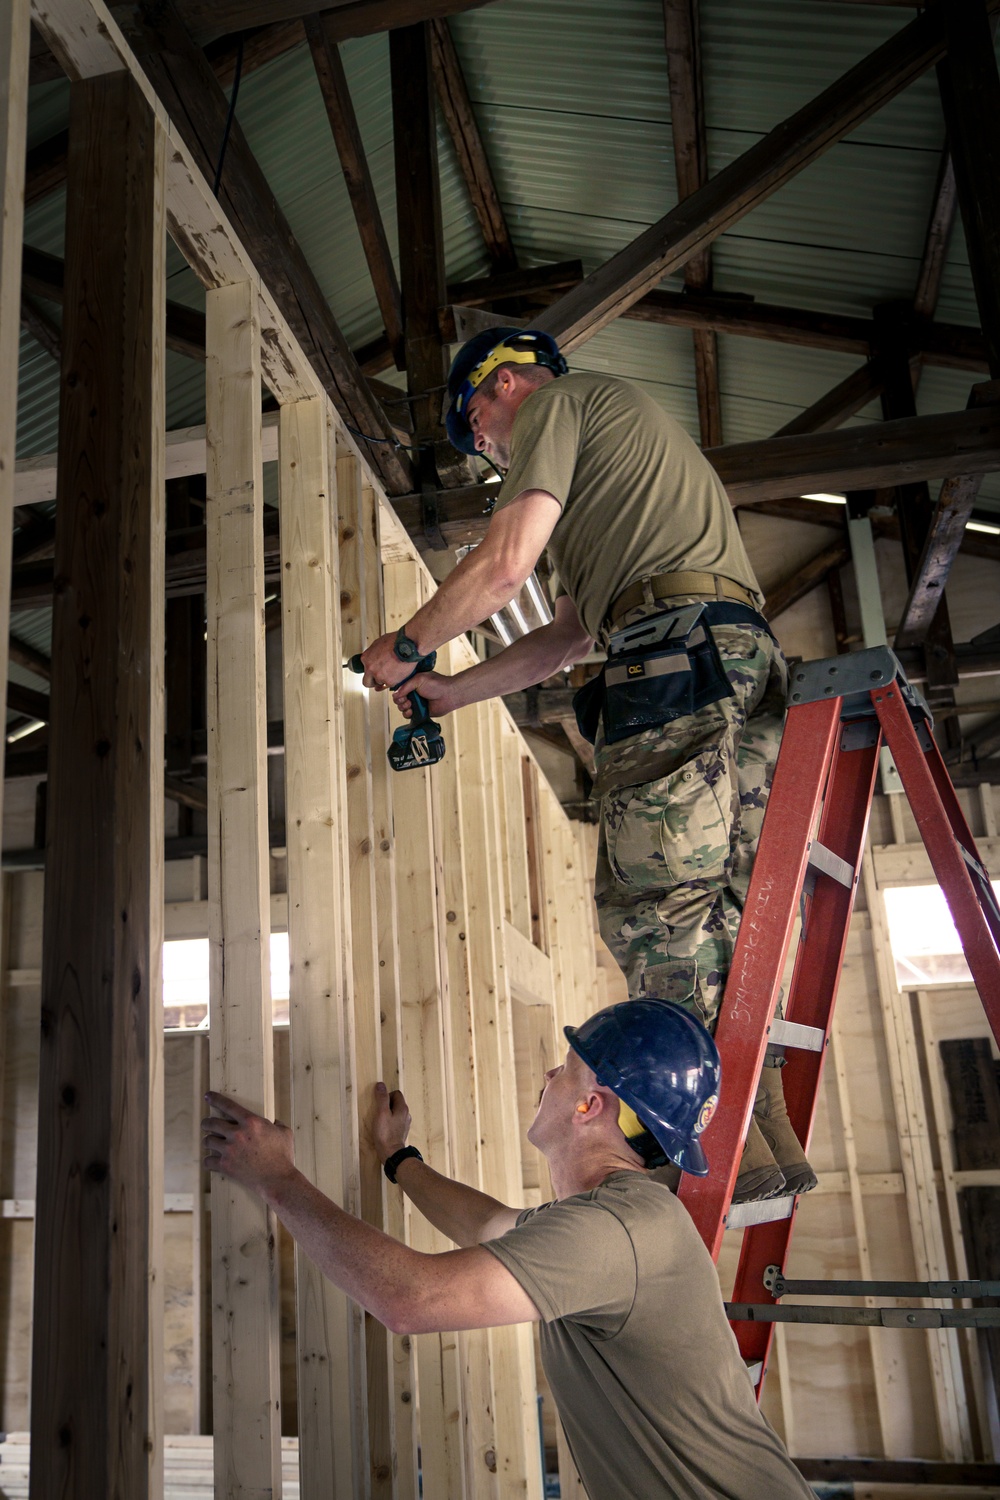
(681, 813)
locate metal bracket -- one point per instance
(790, 1034)
(860, 734)
(865, 1317)
(849, 676)
(780, 1285)
(825, 862)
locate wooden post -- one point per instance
(970, 98)
(397, 1205)
(360, 623)
(518, 1455)
(424, 999)
(245, 1380)
(14, 39)
(100, 1177)
(463, 864)
(421, 240)
(333, 1413)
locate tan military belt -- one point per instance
(676, 585)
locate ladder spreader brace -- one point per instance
(840, 713)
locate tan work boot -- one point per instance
(776, 1128)
(760, 1176)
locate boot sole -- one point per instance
(769, 1185)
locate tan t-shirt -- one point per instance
(644, 1368)
(637, 495)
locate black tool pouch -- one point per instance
(660, 669)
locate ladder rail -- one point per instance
(809, 740)
(825, 773)
(812, 995)
(936, 818)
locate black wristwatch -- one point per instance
(405, 648)
(392, 1162)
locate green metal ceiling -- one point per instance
(573, 103)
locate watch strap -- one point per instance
(392, 1162)
(404, 648)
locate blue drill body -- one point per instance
(418, 742)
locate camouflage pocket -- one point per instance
(673, 830)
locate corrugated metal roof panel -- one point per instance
(573, 102)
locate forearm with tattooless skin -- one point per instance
(377, 1271)
(467, 1216)
(489, 577)
(527, 662)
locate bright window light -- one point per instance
(926, 947)
(828, 499)
(982, 526)
(185, 982)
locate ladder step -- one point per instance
(769, 1211)
(827, 863)
(790, 1034)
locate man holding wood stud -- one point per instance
(644, 1368)
(687, 714)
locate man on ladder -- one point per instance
(688, 714)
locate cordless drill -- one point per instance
(419, 741)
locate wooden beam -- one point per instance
(916, 513)
(938, 238)
(261, 45)
(246, 1388)
(687, 123)
(948, 344)
(45, 167)
(32, 583)
(525, 281)
(846, 398)
(402, 1417)
(15, 30)
(473, 162)
(359, 623)
(353, 18)
(28, 701)
(333, 1422)
(970, 97)
(43, 276)
(421, 238)
(424, 1001)
(747, 182)
(195, 102)
(96, 1427)
(26, 656)
(350, 148)
(805, 578)
(486, 828)
(41, 327)
(488, 1448)
(941, 545)
(897, 452)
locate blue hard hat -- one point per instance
(479, 357)
(663, 1064)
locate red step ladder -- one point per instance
(841, 712)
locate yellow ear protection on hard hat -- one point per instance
(642, 1140)
(506, 353)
